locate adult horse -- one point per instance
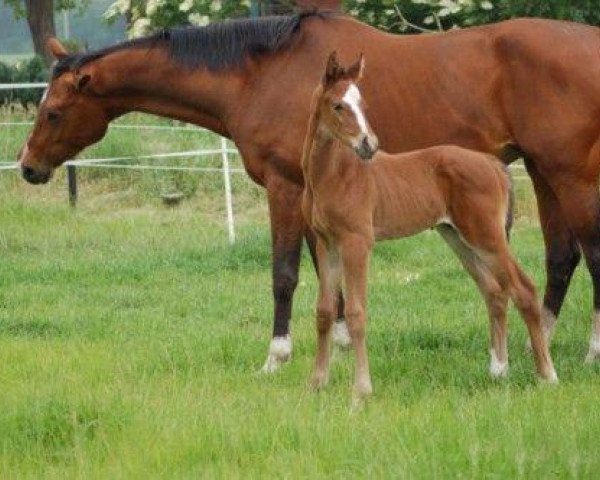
(528, 87)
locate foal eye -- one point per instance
(53, 117)
(338, 107)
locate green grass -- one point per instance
(131, 335)
(13, 58)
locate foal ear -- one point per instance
(355, 71)
(332, 70)
(56, 48)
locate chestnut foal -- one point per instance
(350, 204)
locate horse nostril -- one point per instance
(365, 143)
(28, 173)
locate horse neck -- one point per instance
(147, 80)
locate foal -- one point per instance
(463, 194)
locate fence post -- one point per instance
(72, 183)
(228, 200)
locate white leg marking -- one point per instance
(341, 337)
(280, 352)
(594, 351)
(498, 369)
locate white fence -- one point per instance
(222, 149)
(111, 162)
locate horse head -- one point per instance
(69, 118)
(342, 107)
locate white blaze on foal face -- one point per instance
(352, 98)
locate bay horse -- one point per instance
(349, 204)
(527, 87)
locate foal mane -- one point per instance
(217, 46)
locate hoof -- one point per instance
(498, 369)
(594, 350)
(341, 337)
(360, 396)
(551, 379)
(319, 381)
(591, 356)
(280, 352)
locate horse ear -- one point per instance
(355, 72)
(81, 80)
(332, 70)
(56, 48)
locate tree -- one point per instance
(421, 15)
(40, 19)
(143, 16)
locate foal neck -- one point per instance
(320, 156)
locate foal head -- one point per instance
(342, 108)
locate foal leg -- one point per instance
(287, 231)
(562, 250)
(329, 285)
(355, 259)
(341, 337)
(523, 294)
(495, 297)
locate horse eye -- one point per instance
(338, 107)
(53, 117)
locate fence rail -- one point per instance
(224, 151)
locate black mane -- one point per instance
(217, 46)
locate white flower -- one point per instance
(198, 19)
(118, 8)
(152, 6)
(140, 27)
(215, 5)
(186, 5)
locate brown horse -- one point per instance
(349, 204)
(524, 86)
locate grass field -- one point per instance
(131, 335)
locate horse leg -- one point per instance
(495, 297)
(562, 250)
(341, 337)
(355, 259)
(287, 231)
(523, 294)
(582, 201)
(329, 285)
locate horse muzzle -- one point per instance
(35, 177)
(367, 148)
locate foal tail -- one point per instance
(507, 182)
(509, 218)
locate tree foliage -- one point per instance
(20, 11)
(394, 15)
(145, 15)
(416, 15)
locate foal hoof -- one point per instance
(550, 379)
(280, 352)
(319, 381)
(341, 337)
(593, 352)
(498, 369)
